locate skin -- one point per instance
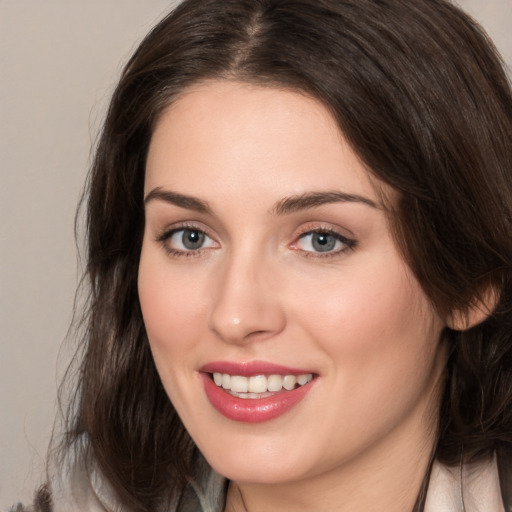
(258, 289)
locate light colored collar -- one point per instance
(467, 488)
(470, 488)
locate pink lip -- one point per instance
(252, 410)
(250, 368)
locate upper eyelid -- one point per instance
(179, 226)
(165, 237)
(349, 240)
(340, 236)
(324, 227)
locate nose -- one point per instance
(246, 303)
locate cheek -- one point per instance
(352, 304)
(171, 304)
(380, 337)
(174, 318)
(375, 324)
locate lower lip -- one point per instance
(252, 410)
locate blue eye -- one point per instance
(324, 242)
(190, 239)
(187, 240)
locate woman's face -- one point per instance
(268, 268)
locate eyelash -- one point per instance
(168, 234)
(348, 243)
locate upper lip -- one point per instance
(251, 368)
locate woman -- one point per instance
(299, 229)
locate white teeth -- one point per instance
(303, 379)
(275, 383)
(259, 384)
(239, 384)
(289, 382)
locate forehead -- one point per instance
(236, 135)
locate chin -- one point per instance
(256, 460)
(262, 472)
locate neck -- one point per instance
(389, 485)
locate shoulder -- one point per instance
(42, 502)
(482, 486)
(79, 486)
(74, 485)
(505, 472)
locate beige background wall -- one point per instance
(58, 62)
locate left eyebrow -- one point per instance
(181, 200)
(314, 199)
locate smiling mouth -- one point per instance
(259, 386)
(256, 391)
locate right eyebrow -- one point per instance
(315, 199)
(181, 200)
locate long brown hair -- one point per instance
(420, 93)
